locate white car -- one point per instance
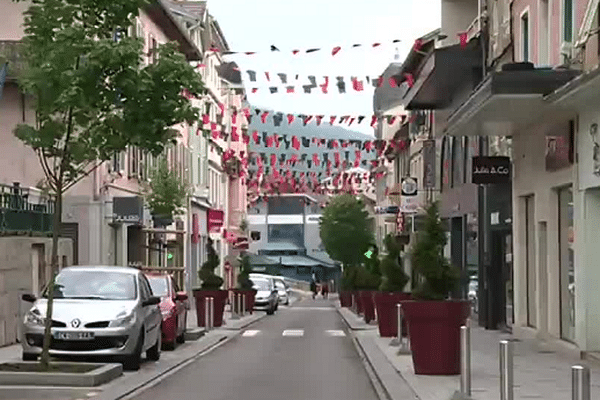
(283, 290)
(97, 311)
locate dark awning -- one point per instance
(446, 70)
(505, 101)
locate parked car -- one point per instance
(98, 311)
(174, 306)
(283, 291)
(266, 294)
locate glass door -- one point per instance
(508, 281)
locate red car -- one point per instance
(173, 306)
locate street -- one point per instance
(303, 352)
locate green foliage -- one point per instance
(364, 279)
(243, 280)
(166, 192)
(210, 281)
(344, 230)
(438, 276)
(394, 278)
(347, 281)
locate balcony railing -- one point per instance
(10, 51)
(25, 211)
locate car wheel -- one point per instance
(181, 338)
(29, 357)
(271, 311)
(153, 353)
(287, 302)
(132, 362)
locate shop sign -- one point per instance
(409, 186)
(429, 158)
(491, 170)
(215, 220)
(386, 210)
(128, 209)
(410, 204)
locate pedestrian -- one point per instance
(325, 290)
(313, 288)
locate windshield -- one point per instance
(261, 284)
(101, 285)
(279, 285)
(159, 285)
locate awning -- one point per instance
(280, 246)
(299, 261)
(446, 70)
(585, 89)
(506, 101)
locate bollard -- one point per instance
(506, 370)
(243, 304)
(465, 360)
(212, 312)
(207, 313)
(235, 309)
(581, 383)
(404, 344)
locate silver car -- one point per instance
(98, 311)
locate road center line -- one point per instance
(334, 332)
(250, 333)
(293, 332)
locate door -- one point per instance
(181, 307)
(151, 314)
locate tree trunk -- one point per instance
(45, 357)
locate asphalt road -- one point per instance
(301, 353)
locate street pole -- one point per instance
(207, 313)
(581, 383)
(506, 370)
(465, 360)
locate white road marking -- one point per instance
(293, 332)
(312, 308)
(335, 333)
(249, 333)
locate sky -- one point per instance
(255, 25)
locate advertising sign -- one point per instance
(215, 220)
(490, 170)
(429, 164)
(128, 209)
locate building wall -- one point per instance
(457, 15)
(19, 274)
(531, 179)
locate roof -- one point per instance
(281, 246)
(256, 259)
(193, 8)
(300, 261)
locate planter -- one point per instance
(220, 297)
(345, 299)
(434, 330)
(368, 305)
(387, 314)
(250, 296)
(61, 374)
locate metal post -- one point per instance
(404, 345)
(243, 304)
(506, 370)
(581, 383)
(212, 312)
(207, 313)
(465, 360)
(235, 309)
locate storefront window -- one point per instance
(567, 275)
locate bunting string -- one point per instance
(333, 50)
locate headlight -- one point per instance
(123, 319)
(33, 317)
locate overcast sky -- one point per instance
(255, 25)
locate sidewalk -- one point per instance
(538, 374)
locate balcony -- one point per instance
(25, 211)
(10, 52)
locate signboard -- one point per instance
(128, 209)
(195, 229)
(429, 164)
(215, 220)
(409, 186)
(386, 210)
(410, 204)
(490, 170)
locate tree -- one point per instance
(210, 281)
(93, 96)
(344, 230)
(166, 192)
(437, 276)
(244, 282)
(394, 278)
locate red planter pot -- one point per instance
(434, 330)
(387, 314)
(368, 305)
(346, 299)
(250, 296)
(220, 298)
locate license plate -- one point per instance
(74, 335)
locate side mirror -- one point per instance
(152, 301)
(28, 297)
(181, 296)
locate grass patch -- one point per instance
(53, 367)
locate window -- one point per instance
(255, 235)
(567, 21)
(289, 233)
(525, 36)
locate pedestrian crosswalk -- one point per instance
(295, 333)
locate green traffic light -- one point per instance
(369, 253)
(169, 256)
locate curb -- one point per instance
(245, 324)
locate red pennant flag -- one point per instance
(332, 119)
(351, 121)
(215, 135)
(368, 145)
(263, 117)
(249, 53)
(234, 117)
(295, 52)
(269, 141)
(376, 44)
(294, 158)
(308, 119)
(206, 119)
(391, 120)
(273, 160)
(213, 126)
(290, 89)
(319, 118)
(290, 118)
(198, 131)
(246, 112)
(325, 85)
(335, 144)
(380, 81)
(393, 82)
(410, 80)
(256, 137)
(254, 90)
(335, 50)
(357, 85)
(201, 66)
(268, 77)
(276, 140)
(315, 158)
(418, 45)
(222, 108)
(246, 138)
(234, 134)
(336, 156)
(463, 37)
(295, 143)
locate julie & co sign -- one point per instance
(490, 170)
